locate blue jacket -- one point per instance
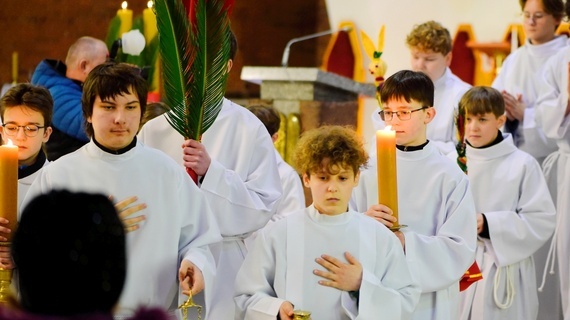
(67, 122)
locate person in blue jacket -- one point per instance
(64, 81)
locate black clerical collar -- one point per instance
(24, 171)
(412, 148)
(497, 140)
(120, 151)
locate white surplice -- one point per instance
(448, 90)
(510, 190)
(435, 202)
(550, 108)
(242, 187)
(280, 267)
(25, 183)
(178, 225)
(519, 74)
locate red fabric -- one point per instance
(472, 275)
(341, 58)
(463, 62)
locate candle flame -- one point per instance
(9, 143)
(150, 4)
(388, 128)
(124, 5)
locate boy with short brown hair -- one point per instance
(434, 198)
(515, 213)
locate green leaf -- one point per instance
(194, 62)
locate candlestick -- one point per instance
(149, 23)
(387, 174)
(126, 17)
(514, 38)
(14, 67)
(8, 206)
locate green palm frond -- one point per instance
(194, 60)
(113, 31)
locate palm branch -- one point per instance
(194, 59)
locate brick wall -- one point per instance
(39, 29)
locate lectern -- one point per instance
(319, 97)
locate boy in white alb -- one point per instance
(434, 198)
(430, 47)
(553, 115)
(330, 261)
(517, 79)
(29, 108)
(178, 224)
(515, 213)
(238, 177)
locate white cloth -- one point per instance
(519, 74)
(435, 202)
(25, 183)
(441, 130)
(179, 224)
(293, 198)
(241, 186)
(550, 108)
(510, 190)
(280, 267)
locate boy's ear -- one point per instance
(357, 178)
(430, 114)
(306, 179)
(47, 134)
(448, 58)
(501, 121)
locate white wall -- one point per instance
(489, 19)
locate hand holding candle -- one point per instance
(9, 186)
(387, 174)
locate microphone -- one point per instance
(285, 58)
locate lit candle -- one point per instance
(149, 20)
(387, 177)
(126, 17)
(14, 67)
(514, 38)
(9, 185)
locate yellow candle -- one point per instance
(126, 17)
(514, 38)
(149, 20)
(387, 177)
(14, 67)
(9, 185)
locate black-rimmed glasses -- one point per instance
(30, 130)
(402, 114)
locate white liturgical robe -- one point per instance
(241, 186)
(550, 113)
(279, 267)
(435, 202)
(179, 224)
(510, 190)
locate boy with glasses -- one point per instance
(517, 80)
(434, 198)
(26, 111)
(430, 47)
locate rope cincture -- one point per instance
(510, 287)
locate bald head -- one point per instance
(84, 55)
